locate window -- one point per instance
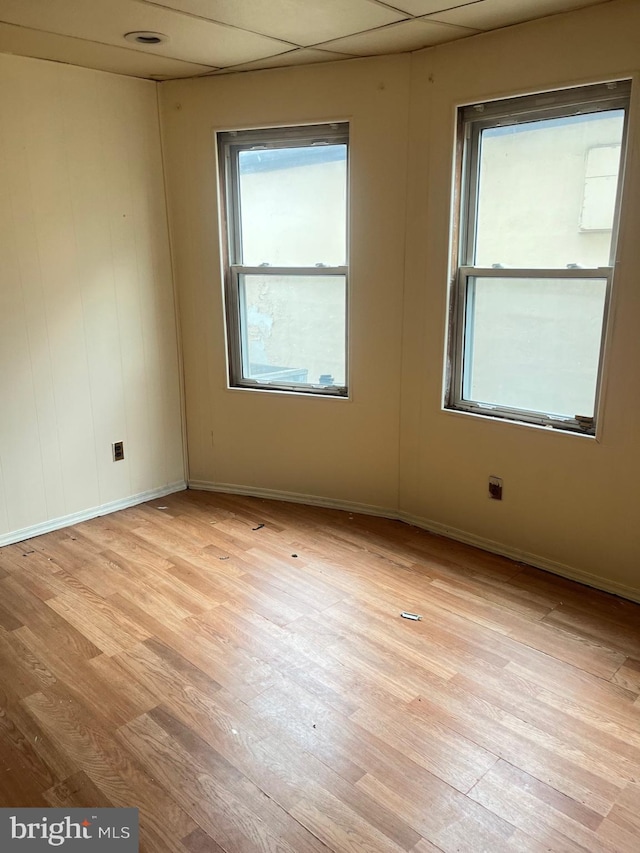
(539, 181)
(286, 277)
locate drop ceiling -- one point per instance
(223, 36)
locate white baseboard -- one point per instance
(86, 514)
(535, 560)
(292, 497)
(556, 568)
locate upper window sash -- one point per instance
(476, 118)
(232, 143)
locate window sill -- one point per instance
(507, 421)
(291, 392)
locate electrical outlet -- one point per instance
(118, 451)
(495, 488)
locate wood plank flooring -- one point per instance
(238, 669)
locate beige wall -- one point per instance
(341, 449)
(568, 499)
(570, 502)
(87, 327)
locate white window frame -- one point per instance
(230, 144)
(472, 120)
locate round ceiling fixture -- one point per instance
(146, 37)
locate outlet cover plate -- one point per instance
(495, 488)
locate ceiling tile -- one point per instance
(106, 21)
(302, 56)
(397, 38)
(490, 14)
(301, 22)
(119, 60)
(427, 7)
(247, 34)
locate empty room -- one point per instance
(320, 426)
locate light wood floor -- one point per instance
(238, 669)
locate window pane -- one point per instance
(534, 343)
(547, 191)
(293, 329)
(293, 206)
